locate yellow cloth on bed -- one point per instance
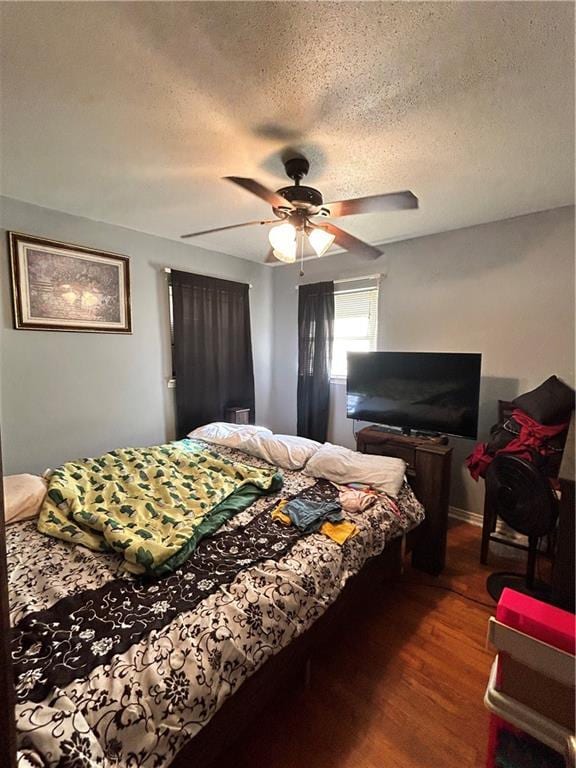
(278, 514)
(339, 532)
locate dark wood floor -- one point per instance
(401, 686)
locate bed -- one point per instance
(114, 670)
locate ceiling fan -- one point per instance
(302, 211)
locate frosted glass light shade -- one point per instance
(320, 240)
(283, 241)
(289, 257)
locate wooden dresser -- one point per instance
(428, 470)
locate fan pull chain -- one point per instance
(301, 235)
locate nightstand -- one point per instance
(428, 462)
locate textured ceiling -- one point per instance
(130, 113)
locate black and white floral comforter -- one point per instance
(117, 671)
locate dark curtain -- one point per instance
(315, 338)
(212, 349)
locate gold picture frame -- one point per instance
(64, 287)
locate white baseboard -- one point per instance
(476, 518)
(466, 515)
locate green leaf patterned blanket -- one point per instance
(151, 504)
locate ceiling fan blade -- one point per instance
(231, 226)
(350, 243)
(273, 198)
(395, 201)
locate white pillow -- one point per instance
(23, 497)
(286, 451)
(341, 465)
(229, 435)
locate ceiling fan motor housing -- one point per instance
(302, 197)
(296, 168)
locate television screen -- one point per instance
(421, 391)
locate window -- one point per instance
(355, 321)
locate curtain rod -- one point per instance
(377, 276)
(168, 271)
(354, 279)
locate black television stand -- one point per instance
(437, 437)
(407, 432)
(389, 430)
(428, 470)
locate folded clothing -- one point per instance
(310, 516)
(278, 513)
(355, 501)
(364, 487)
(339, 532)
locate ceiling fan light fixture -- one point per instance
(320, 240)
(287, 258)
(297, 205)
(283, 241)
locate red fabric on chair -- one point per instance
(533, 438)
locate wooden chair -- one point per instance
(560, 543)
(490, 520)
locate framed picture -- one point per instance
(62, 287)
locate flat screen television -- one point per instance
(422, 391)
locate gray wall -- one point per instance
(505, 289)
(65, 395)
